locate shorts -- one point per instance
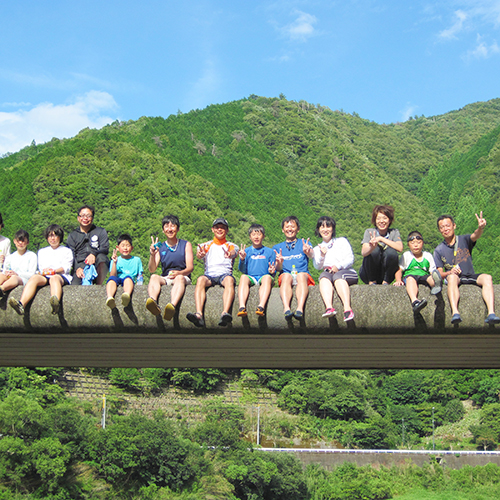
(119, 281)
(469, 280)
(48, 276)
(256, 280)
(349, 275)
(217, 280)
(170, 281)
(310, 281)
(421, 280)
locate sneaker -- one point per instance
(455, 319)
(225, 319)
(17, 306)
(260, 311)
(417, 305)
(242, 311)
(125, 299)
(54, 303)
(492, 319)
(288, 314)
(196, 319)
(152, 307)
(438, 283)
(298, 315)
(169, 312)
(329, 313)
(349, 315)
(110, 302)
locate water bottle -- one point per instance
(294, 275)
(140, 279)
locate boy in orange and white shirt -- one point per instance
(219, 255)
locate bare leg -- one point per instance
(200, 294)
(56, 284)
(111, 287)
(286, 290)
(128, 286)
(342, 288)
(326, 290)
(228, 294)
(36, 281)
(154, 286)
(486, 283)
(265, 290)
(302, 290)
(178, 289)
(11, 282)
(453, 292)
(243, 290)
(412, 289)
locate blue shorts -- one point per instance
(119, 281)
(217, 280)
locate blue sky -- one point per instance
(66, 65)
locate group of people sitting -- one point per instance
(84, 260)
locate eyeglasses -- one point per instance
(86, 216)
(419, 238)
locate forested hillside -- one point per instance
(260, 159)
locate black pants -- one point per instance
(380, 265)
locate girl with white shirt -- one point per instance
(335, 257)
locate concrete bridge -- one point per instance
(385, 333)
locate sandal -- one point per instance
(260, 311)
(225, 319)
(196, 319)
(242, 311)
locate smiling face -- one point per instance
(382, 222)
(256, 238)
(170, 230)
(326, 232)
(53, 240)
(85, 219)
(220, 231)
(21, 245)
(290, 230)
(125, 248)
(447, 228)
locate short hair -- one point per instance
(88, 207)
(124, 237)
(22, 235)
(327, 221)
(387, 210)
(414, 233)
(443, 217)
(56, 229)
(172, 219)
(1, 221)
(256, 227)
(290, 218)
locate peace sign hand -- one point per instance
(481, 223)
(242, 252)
(153, 248)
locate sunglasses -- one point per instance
(419, 238)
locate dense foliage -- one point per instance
(258, 160)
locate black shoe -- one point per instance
(417, 305)
(195, 319)
(225, 319)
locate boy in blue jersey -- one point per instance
(292, 256)
(124, 270)
(257, 266)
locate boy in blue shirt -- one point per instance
(292, 257)
(257, 266)
(123, 270)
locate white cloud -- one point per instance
(47, 120)
(482, 50)
(302, 28)
(408, 112)
(461, 16)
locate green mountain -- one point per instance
(259, 160)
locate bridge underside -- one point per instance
(241, 350)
